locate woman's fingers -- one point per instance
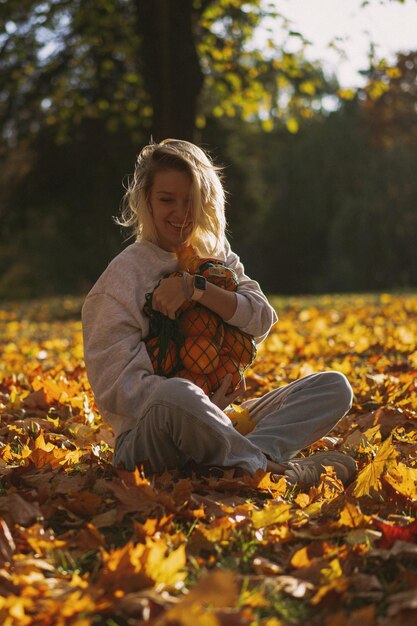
(225, 384)
(221, 391)
(168, 296)
(219, 397)
(237, 392)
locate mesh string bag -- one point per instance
(163, 355)
(200, 321)
(198, 345)
(239, 345)
(163, 339)
(214, 270)
(237, 353)
(202, 331)
(201, 380)
(227, 365)
(199, 355)
(219, 274)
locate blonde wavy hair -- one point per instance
(207, 197)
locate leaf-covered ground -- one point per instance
(84, 544)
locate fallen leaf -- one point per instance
(403, 600)
(7, 545)
(403, 479)
(18, 510)
(274, 513)
(135, 567)
(368, 479)
(400, 549)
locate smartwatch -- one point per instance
(200, 285)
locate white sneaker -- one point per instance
(307, 470)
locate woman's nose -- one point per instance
(183, 207)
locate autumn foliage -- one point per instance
(84, 544)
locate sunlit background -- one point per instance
(309, 105)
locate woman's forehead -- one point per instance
(172, 181)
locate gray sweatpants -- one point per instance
(180, 423)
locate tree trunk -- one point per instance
(172, 69)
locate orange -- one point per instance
(200, 380)
(199, 355)
(220, 334)
(218, 274)
(168, 362)
(200, 321)
(226, 366)
(239, 345)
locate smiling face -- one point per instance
(171, 206)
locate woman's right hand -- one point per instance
(221, 399)
(169, 296)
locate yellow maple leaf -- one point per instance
(188, 615)
(16, 610)
(403, 479)
(53, 457)
(265, 481)
(217, 532)
(165, 569)
(372, 435)
(302, 499)
(41, 444)
(350, 516)
(77, 602)
(275, 513)
(135, 567)
(218, 589)
(253, 598)
(301, 558)
(332, 579)
(369, 478)
(241, 419)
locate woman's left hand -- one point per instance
(169, 296)
(219, 397)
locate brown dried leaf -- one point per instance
(14, 508)
(7, 545)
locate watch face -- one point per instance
(200, 282)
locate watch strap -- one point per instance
(200, 285)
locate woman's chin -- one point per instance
(174, 244)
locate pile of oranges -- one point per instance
(198, 345)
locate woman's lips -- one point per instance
(179, 226)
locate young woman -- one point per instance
(175, 199)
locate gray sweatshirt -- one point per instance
(115, 327)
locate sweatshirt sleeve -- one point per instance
(118, 366)
(254, 315)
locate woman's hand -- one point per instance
(169, 296)
(219, 397)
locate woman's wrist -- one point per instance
(188, 285)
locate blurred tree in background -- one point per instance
(318, 201)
